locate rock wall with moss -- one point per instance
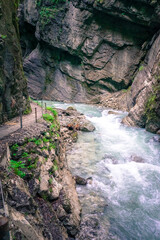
(74, 50)
(144, 100)
(91, 50)
(13, 85)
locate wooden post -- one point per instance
(42, 107)
(45, 107)
(36, 115)
(20, 113)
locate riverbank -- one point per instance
(39, 189)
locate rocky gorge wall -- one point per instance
(89, 50)
(13, 85)
(144, 102)
(142, 99)
(74, 50)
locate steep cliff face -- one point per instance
(85, 47)
(76, 50)
(13, 86)
(144, 103)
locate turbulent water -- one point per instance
(124, 163)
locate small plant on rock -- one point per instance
(50, 181)
(17, 166)
(55, 114)
(49, 118)
(25, 154)
(15, 147)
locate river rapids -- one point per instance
(122, 198)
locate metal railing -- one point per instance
(40, 103)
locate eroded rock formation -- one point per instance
(13, 85)
(85, 47)
(80, 50)
(144, 104)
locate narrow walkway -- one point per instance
(14, 124)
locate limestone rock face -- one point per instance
(13, 85)
(145, 92)
(85, 47)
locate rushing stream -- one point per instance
(124, 163)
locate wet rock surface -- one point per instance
(91, 227)
(73, 120)
(80, 181)
(137, 159)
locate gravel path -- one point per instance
(14, 124)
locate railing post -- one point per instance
(42, 107)
(36, 115)
(20, 113)
(45, 107)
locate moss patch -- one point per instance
(153, 106)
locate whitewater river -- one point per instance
(124, 164)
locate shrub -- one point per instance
(15, 147)
(49, 118)
(16, 166)
(55, 114)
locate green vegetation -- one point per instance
(99, 1)
(45, 140)
(35, 140)
(47, 13)
(17, 168)
(38, 142)
(31, 140)
(3, 36)
(55, 166)
(15, 147)
(52, 126)
(50, 181)
(16, 3)
(23, 160)
(44, 196)
(126, 90)
(141, 68)
(44, 148)
(24, 155)
(55, 114)
(49, 118)
(51, 146)
(153, 105)
(34, 165)
(27, 110)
